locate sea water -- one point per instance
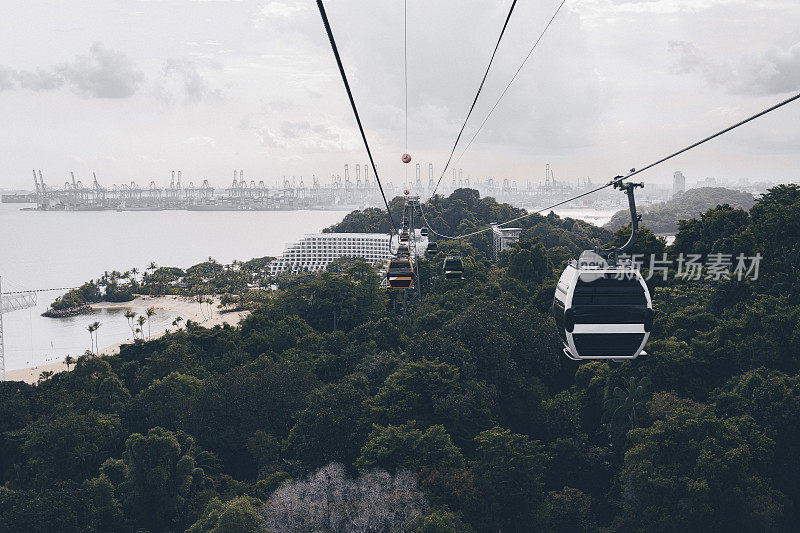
(52, 249)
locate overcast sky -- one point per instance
(132, 90)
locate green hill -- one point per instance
(664, 217)
(328, 409)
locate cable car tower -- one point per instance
(12, 301)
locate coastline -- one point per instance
(185, 307)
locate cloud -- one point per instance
(182, 77)
(201, 141)
(277, 9)
(103, 73)
(773, 71)
(8, 78)
(692, 60)
(308, 137)
(777, 71)
(41, 80)
(650, 7)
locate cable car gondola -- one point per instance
(404, 236)
(423, 232)
(400, 274)
(402, 251)
(603, 309)
(453, 267)
(432, 248)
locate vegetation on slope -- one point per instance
(663, 218)
(464, 416)
(240, 278)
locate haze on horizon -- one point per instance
(121, 89)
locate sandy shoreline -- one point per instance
(186, 308)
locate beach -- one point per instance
(186, 308)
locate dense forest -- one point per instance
(663, 218)
(327, 410)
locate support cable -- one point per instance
(405, 61)
(353, 105)
(405, 76)
(618, 179)
(514, 77)
(477, 94)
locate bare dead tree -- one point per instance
(329, 501)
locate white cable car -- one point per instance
(603, 309)
(602, 312)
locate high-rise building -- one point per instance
(678, 183)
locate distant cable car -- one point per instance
(423, 231)
(403, 251)
(432, 248)
(404, 236)
(453, 267)
(400, 274)
(603, 309)
(406, 159)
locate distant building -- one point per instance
(503, 238)
(316, 251)
(678, 183)
(708, 182)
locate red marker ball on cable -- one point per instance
(406, 158)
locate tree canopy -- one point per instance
(326, 405)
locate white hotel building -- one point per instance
(503, 238)
(317, 250)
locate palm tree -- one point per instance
(91, 328)
(226, 300)
(151, 268)
(141, 320)
(68, 360)
(622, 408)
(200, 299)
(130, 315)
(96, 342)
(150, 312)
